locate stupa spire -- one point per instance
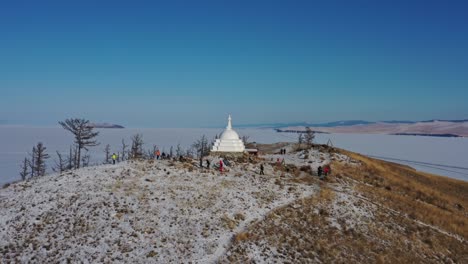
(229, 126)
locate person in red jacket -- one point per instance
(221, 165)
(326, 170)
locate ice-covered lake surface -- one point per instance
(422, 153)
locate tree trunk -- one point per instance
(78, 158)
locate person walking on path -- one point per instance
(319, 171)
(114, 158)
(326, 170)
(158, 153)
(261, 169)
(208, 164)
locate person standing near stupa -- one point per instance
(221, 165)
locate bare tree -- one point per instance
(71, 159)
(137, 147)
(309, 136)
(189, 153)
(75, 156)
(85, 159)
(61, 164)
(84, 135)
(300, 140)
(107, 152)
(24, 169)
(179, 151)
(152, 152)
(124, 150)
(245, 139)
(40, 159)
(32, 163)
(201, 147)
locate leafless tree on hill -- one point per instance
(300, 140)
(179, 151)
(136, 151)
(85, 136)
(24, 169)
(124, 151)
(60, 164)
(245, 139)
(107, 153)
(85, 159)
(71, 159)
(309, 136)
(40, 158)
(32, 162)
(201, 147)
(189, 153)
(151, 152)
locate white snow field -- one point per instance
(16, 141)
(139, 212)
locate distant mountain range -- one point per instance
(347, 123)
(445, 128)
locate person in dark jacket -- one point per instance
(319, 171)
(261, 169)
(208, 164)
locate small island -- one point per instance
(105, 125)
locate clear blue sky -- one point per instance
(189, 63)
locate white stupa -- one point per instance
(229, 141)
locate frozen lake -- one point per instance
(422, 153)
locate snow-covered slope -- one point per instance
(137, 212)
(176, 212)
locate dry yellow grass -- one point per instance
(434, 200)
(416, 218)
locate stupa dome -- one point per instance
(229, 141)
(229, 135)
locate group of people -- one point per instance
(322, 172)
(208, 163)
(159, 156)
(282, 151)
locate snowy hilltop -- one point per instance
(169, 211)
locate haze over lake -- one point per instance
(17, 141)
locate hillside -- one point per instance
(169, 211)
